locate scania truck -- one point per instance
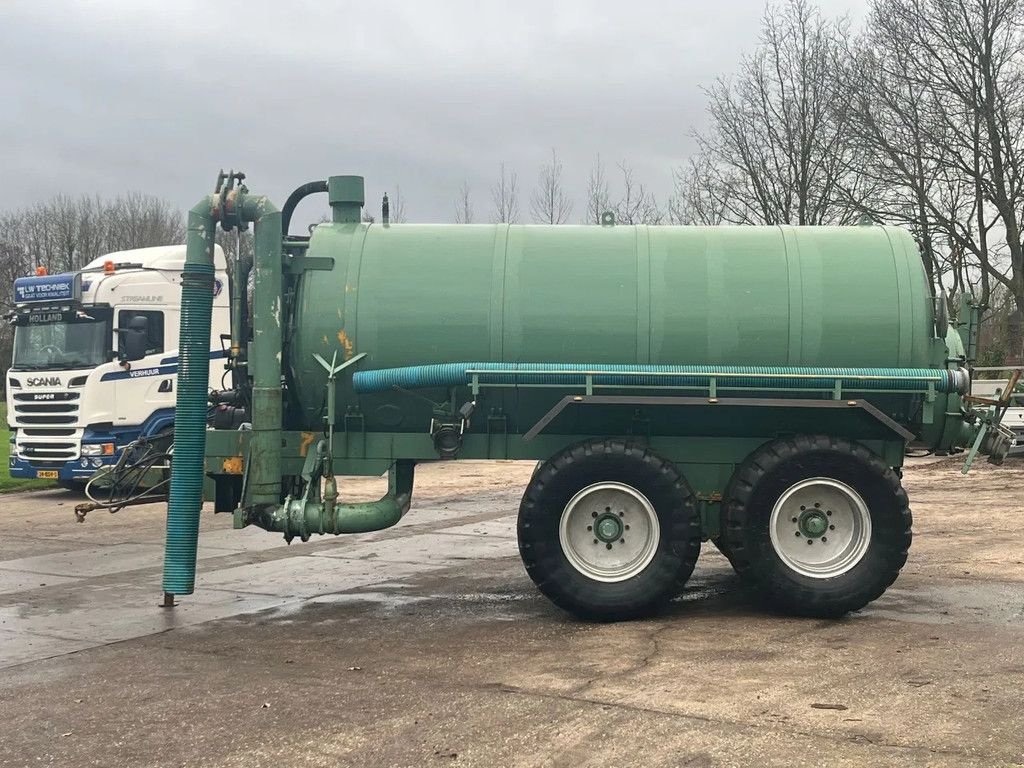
(95, 360)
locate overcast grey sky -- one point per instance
(110, 96)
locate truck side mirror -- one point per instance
(134, 345)
(131, 344)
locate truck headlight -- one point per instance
(98, 449)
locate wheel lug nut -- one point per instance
(810, 541)
(831, 527)
(828, 512)
(794, 519)
(590, 527)
(593, 514)
(608, 545)
(622, 514)
(797, 534)
(622, 541)
(627, 527)
(823, 539)
(595, 541)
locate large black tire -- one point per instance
(766, 476)
(614, 462)
(722, 547)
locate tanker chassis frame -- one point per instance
(794, 474)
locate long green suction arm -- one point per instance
(262, 503)
(263, 485)
(234, 207)
(186, 494)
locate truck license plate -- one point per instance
(47, 474)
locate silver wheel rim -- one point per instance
(820, 527)
(609, 532)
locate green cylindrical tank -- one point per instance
(781, 296)
(756, 387)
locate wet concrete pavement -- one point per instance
(427, 645)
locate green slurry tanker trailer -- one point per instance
(752, 386)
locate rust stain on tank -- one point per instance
(346, 344)
(307, 440)
(232, 465)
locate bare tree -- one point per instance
(15, 261)
(636, 205)
(138, 220)
(942, 113)
(464, 205)
(64, 233)
(549, 204)
(892, 121)
(397, 212)
(598, 201)
(235, 244)
(776, 149)
(505, 195)
(697, 197)
(94, 227)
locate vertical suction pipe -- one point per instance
(264, 460)
(240, 268)
(264, 483)
(186, 494)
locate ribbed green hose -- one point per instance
(186, 494)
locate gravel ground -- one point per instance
(427, 645)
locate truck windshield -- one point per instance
(55, 340)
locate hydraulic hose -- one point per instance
(726, 376)
(296, 197)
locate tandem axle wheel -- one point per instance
(609, 530)
(817, 526)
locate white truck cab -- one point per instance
(95, 359)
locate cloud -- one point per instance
(111, 96)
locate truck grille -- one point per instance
(45, 408)
(46, 431)
(46, 445)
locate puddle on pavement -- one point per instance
(982, 602)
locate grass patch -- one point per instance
(8, 483)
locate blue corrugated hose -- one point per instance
(726, 376)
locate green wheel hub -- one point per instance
(820, 527)
(608, 528)
(609, 531)
(813, 523)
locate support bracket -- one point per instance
(741, 402)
